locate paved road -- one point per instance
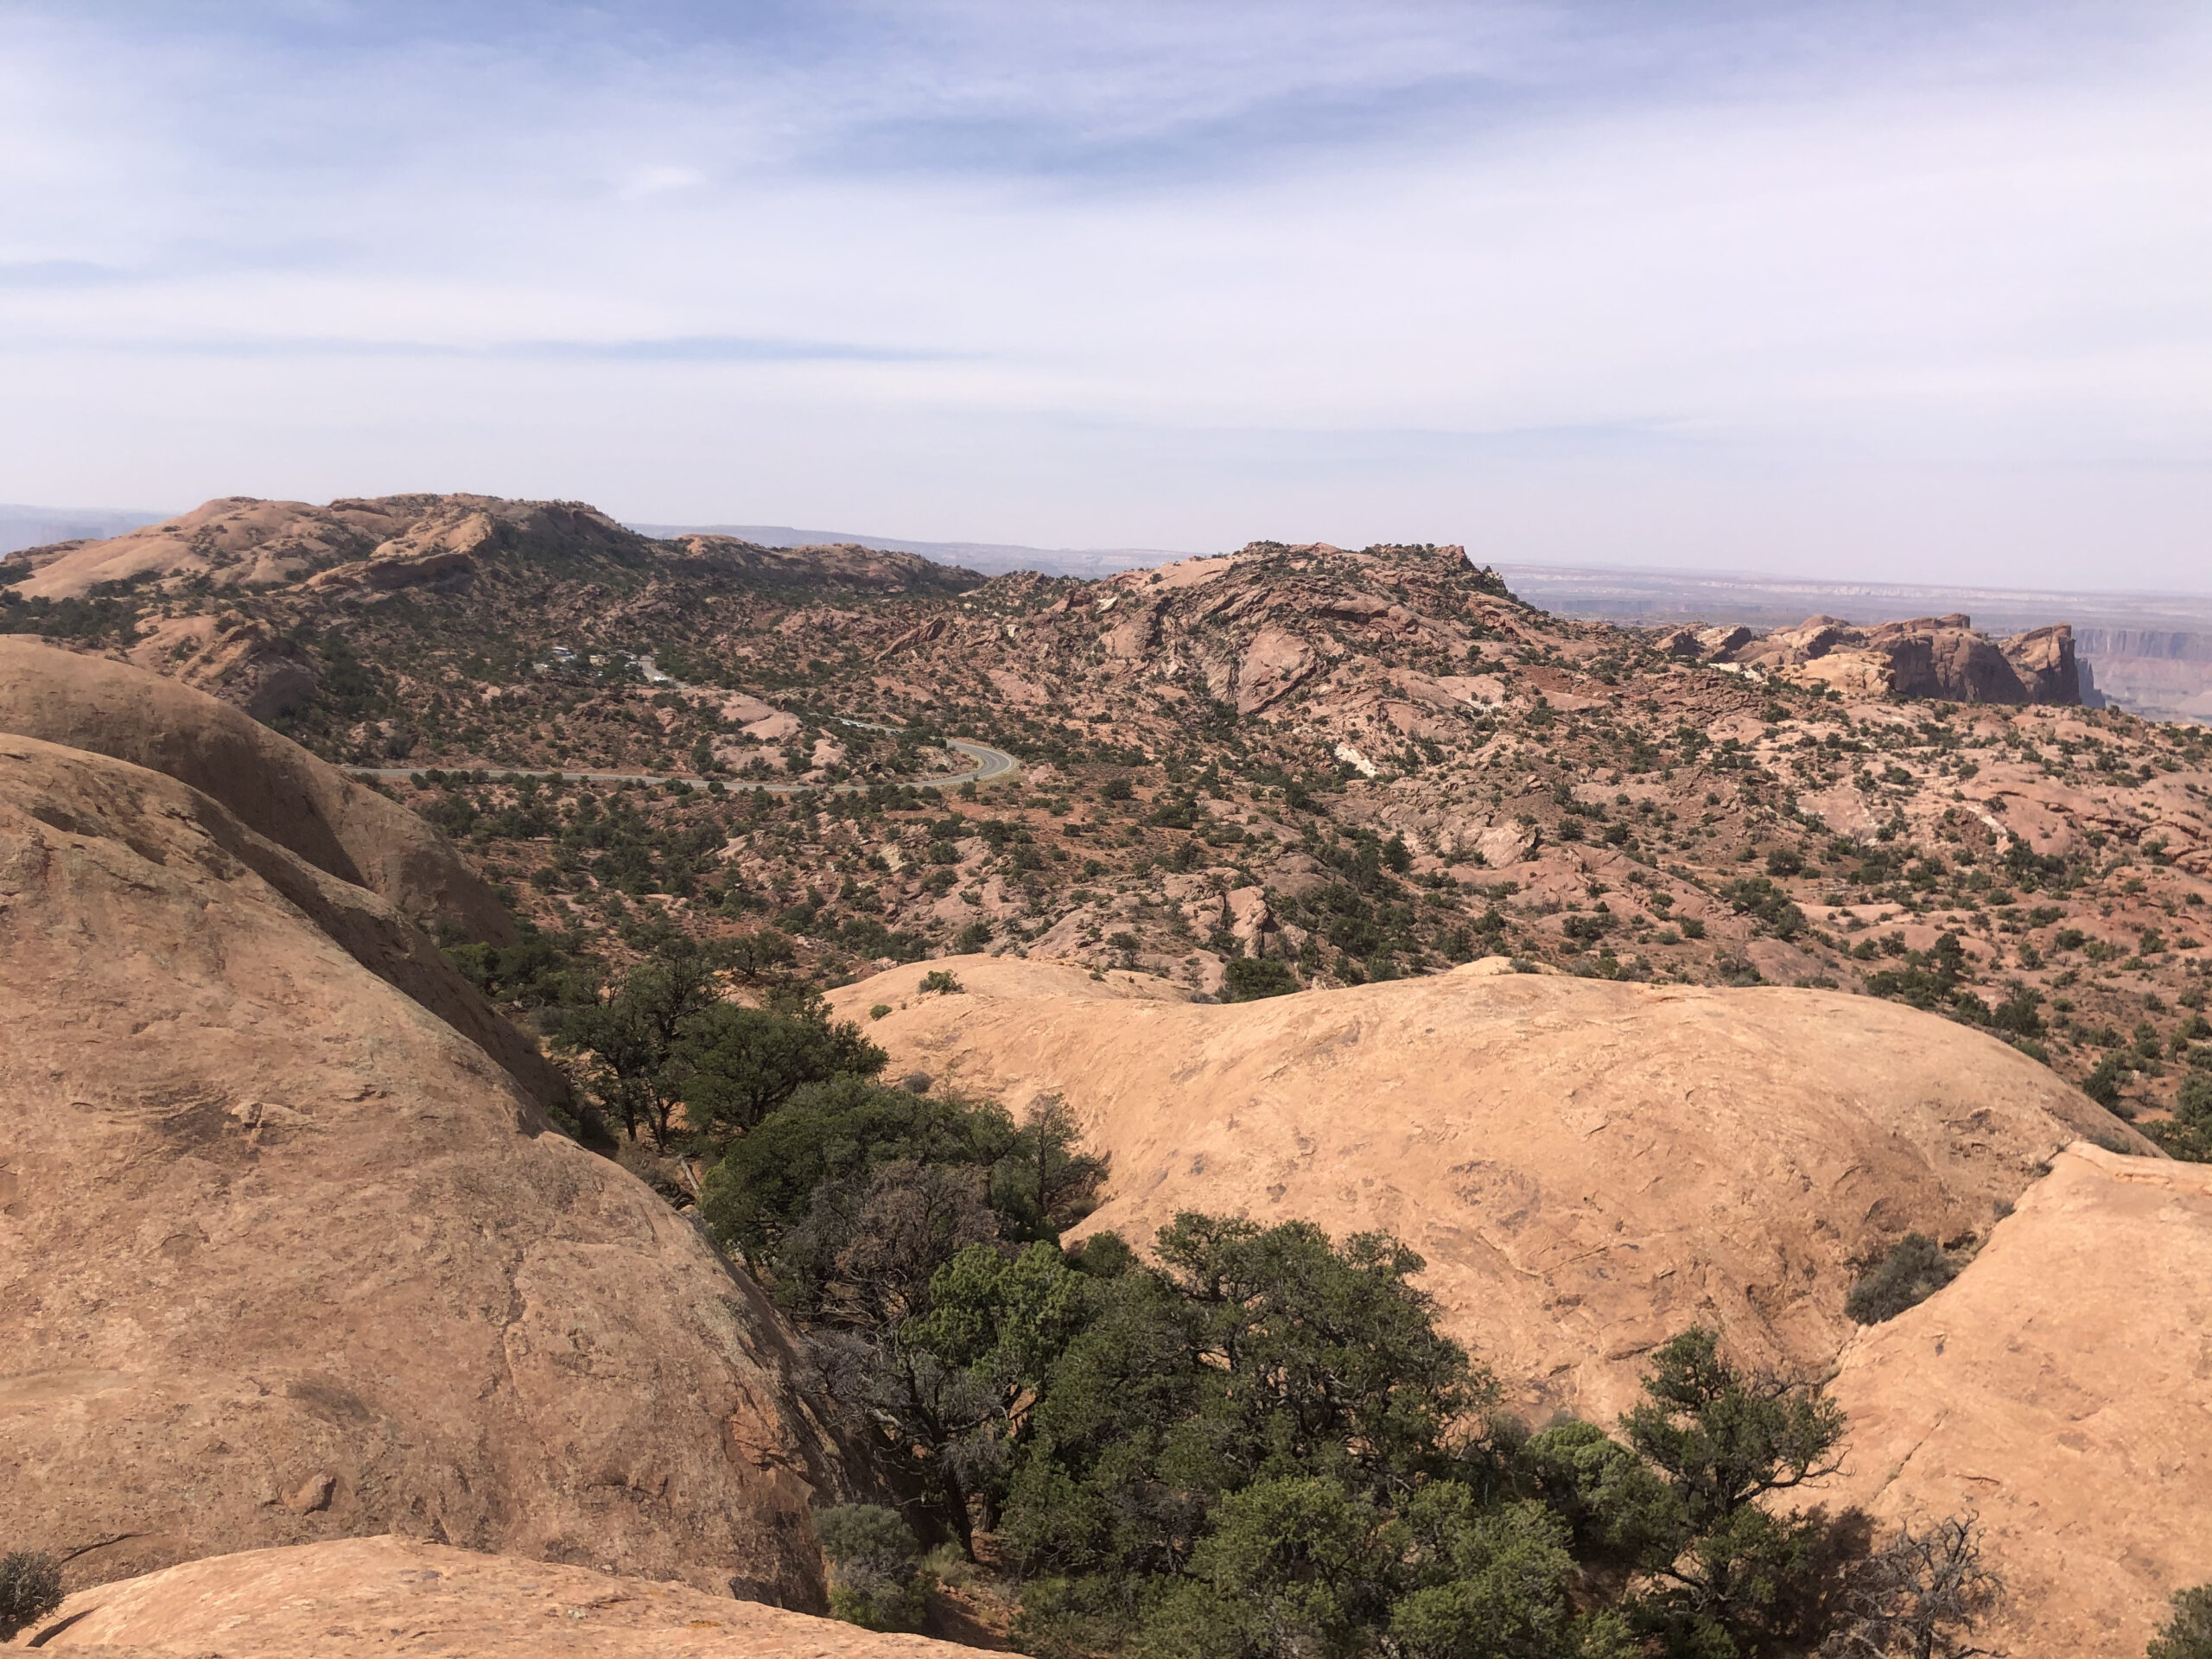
(989, 763)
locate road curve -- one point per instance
(989, 763)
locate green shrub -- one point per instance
(2103, 1084)
(876, 1578)
(30, 1588)
(941, 982)
(2194, 1103)
(2188, 1135)
(1906, 1277)
(1247, 979)
(2188, 1634)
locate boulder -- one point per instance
(2042, 659)
(1274, 664)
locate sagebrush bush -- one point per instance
(1906, 1277)
(876, 1578)
(30, 1588)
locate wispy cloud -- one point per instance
(689, 348)
(1730, 281)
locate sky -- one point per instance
(1907, 291)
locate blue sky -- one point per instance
(1894, 290)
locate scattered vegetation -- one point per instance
(1914, 1269)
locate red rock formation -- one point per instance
(1935, 656)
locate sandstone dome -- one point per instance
(2060, 1389)
(1587, 1166)
(270, 784)
(285, 1256)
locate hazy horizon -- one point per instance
(1880, 293)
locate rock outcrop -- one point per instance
(1932, 657)
(385, 1596)
(1587, 1166)
(2060, 1390)
(842, 564)
(379, 544)
(274, 786)
(285, 1257)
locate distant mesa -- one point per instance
(2149, 653)
(21, 526)
(1935, 657)
(364, 548)
(992, 558)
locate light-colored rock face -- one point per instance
(2060, 1389)
(273, 785)
(385, 1596)
(1588, 1168)
(370, 545)
(285, 1258)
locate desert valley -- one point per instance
(578, 1092)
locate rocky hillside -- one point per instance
(285, 1256)
(1362, 764)
(1649, 980)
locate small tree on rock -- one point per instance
(2187, 1633)
(30, 1588)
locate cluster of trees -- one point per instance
(1255, 1442)
(2187, 1134)
(1258, 1445)
(667, 1056)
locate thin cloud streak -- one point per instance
(695, 348)
(1144, 274)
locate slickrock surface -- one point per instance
(273, 785)
(1588, 1168)
(2061, 1388)
(284, 1257)
(376, 1596)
